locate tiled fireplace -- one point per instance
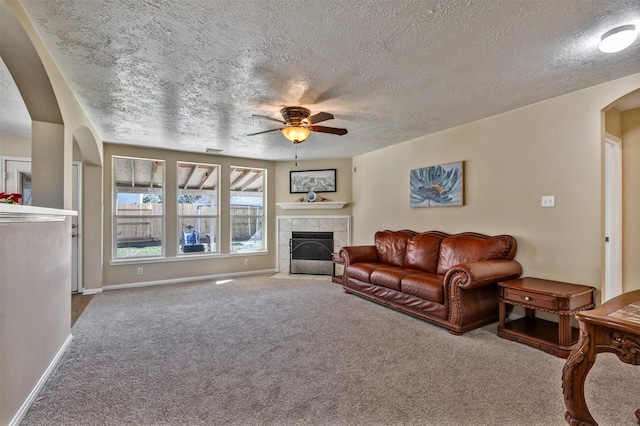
(286, 225)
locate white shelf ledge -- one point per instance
(21, 213)
(317, 205)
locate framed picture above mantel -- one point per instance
(305, 181)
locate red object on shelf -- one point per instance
(13, 198)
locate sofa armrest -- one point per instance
(354, 254)
(478, 274)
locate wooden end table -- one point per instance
(337, 260)
(612, 327)
(562, 299)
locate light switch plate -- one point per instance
(548, 201)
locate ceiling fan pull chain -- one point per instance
(296, 145)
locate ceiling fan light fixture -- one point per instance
(296, 134)
(618, 39)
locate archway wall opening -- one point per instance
(622, 120)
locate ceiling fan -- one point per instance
(300, 123)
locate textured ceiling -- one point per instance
(14, 117)
(188, 75)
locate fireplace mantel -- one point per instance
(318, 205)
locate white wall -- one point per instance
(511, 160)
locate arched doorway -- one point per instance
(621, 149)
(89, 233)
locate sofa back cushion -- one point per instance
(392, 246)
(423, 252)
(472, 247)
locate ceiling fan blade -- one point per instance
(332, 130)
(319, 117)
(268, 118)
(265, 131)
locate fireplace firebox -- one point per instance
(311, 253)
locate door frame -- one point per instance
(3, 168)
(79, 229)
(613, 217)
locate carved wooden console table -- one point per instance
(613, 327)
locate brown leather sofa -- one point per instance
(450, 280)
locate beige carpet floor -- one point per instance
(264, 350)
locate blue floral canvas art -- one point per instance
(437, 185)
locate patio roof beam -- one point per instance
(191, 173)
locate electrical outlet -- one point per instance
(548, 201)
(246, 261)
(140, 271)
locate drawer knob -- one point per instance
(527, 298)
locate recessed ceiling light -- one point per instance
(618, 38)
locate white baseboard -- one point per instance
(188, 279)
(88, 291)
(36, 390)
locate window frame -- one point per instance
(216, 216)
(263, 216)
(115, 216)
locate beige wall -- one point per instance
(511, 160)
(630, 128)
(35, 306)
(176, 268)
(343, 185)
(92, 227)
(15, 146)
(613, 122)
(49, 164)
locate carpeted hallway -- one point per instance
(272, 351)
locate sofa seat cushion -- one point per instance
(406, 302)
(425, 286)
(362, 270)
(389, 276)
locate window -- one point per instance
(138, 211)
(247, 209)
(197, 208)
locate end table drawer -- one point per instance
(542, 301)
